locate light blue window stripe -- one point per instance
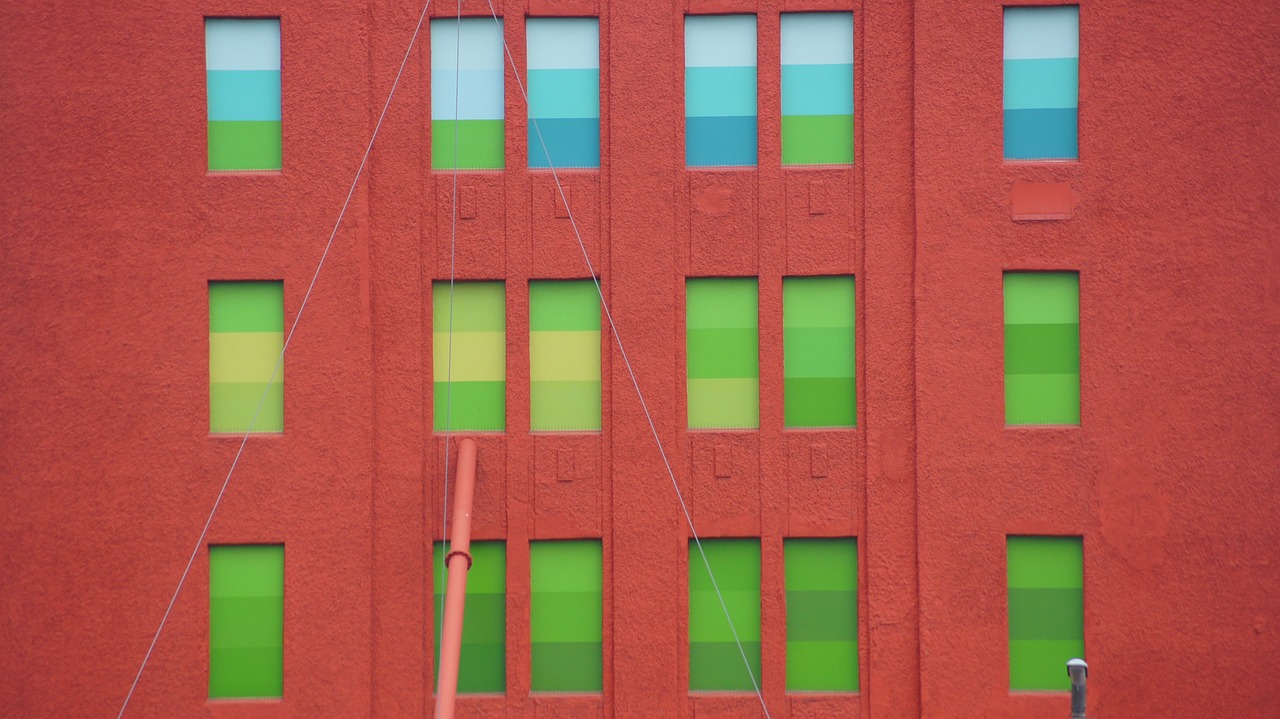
(819, 38)
(481, 40)
(564, 93)
(241, 44)
(720, 92)
(817, 89)
(479, 97)
(1030, 84)
(563, 43)
(720, 41)
(1041, 32)
(244, 95)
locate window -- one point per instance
(564, 92)
(246, 339)
(566, 622)
(1041, 82)
(1042, 347)
(715, 664)
(482, 667)
(722, 345)
(818, 352)
(720, 90)
(469, 356)
(467, 94)
(242, 63)
(822, 615)
(246, 621)
(564, 356)
(817, 88)
(1046, 610)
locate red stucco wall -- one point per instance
(112, 229)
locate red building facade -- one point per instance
(114, 228)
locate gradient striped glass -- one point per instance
(566, 615)
(482, 663)
(467, 94)
(564, 356)
(1042, 348)
(564, 92)
(246, 338)
(720, 90)
(1046, 610)
(822, 614)
(469, 356)
(1041, 82)
(722, 349)
(715, 664)
(242, 64)
(246, 621)
(818, 364)
(817, 88)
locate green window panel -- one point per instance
(246, 338)
(482, 667)
(722, 345)
(472, 358)
(566, 622)
(1046, 610)
(246, 621)
(1042, 347)
(822, 615)
(564, 356)
(715, 664)
(818, 352)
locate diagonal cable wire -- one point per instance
(630, 371)
(275, 371)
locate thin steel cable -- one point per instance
(275, 371)
(631, 372)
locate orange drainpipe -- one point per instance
(459, 562)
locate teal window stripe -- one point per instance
(564, 93)
(244, 95)
(720, 92)
(817, 89)
(1041, 83)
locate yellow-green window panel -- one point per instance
(246, 338)
(722, 346)
(469, 353)
(564, 356)
(1042, 347)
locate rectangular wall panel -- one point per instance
(566, 616)
(722, 345)
(564, 92)
(720, 90)
(715, 664)
(817, 88)
(482, 667)
(469, 356)
(467, 110)
(1046, 610)
(818, 352)
(822, 615)
(1041, 82)
(246, 621)
(246, 338)
(564, 356)
(242, 64)
(1042, 347)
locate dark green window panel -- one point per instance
(818, 352)
(715, 664)
(482, 667)
(566, 622)
(246, 621)
(1046, 610)
(822, 615)
(1042, 348)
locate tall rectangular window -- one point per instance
(1041, 82)
(469, 356)
(1046, 610)
(566, 615)
(467, 111)
(715, 664)
(482, 667)
(246, 621)
(722, 345)
(242, 64)
(817, 88)
(1042, 348)
(720, 90)
(246, 338)
(564, 356)
(818, 352)
(564, 92)
(822, 615)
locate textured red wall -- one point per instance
(112, 229)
